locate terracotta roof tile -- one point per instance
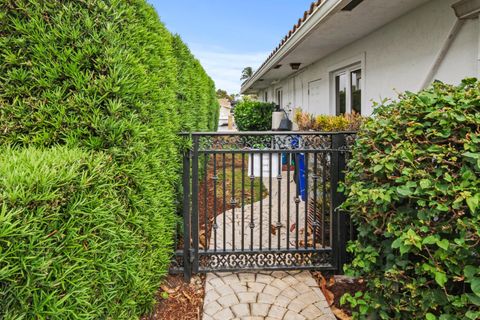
(294, 29)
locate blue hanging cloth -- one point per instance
(299, 175)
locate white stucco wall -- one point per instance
(395, 58)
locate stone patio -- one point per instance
(264, 294)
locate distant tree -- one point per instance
(247, 73)
(223, 94)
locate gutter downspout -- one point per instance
(443, 52)
(464, 10)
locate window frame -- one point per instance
(279, 97)
(348, 93)
(347, 67)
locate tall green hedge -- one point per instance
(71, 247)
(196, 92)
(104, 76)
(414, 192)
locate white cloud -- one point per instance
(225, 67)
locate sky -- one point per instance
(228, 35)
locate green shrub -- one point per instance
(104, 76)
(71, 246)
(254, 115)
(328, 123)
(414, 191)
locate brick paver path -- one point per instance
(263, 295)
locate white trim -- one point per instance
(358, 60)
(324, 11)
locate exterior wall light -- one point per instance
(295, 65)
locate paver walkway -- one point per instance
(263, 295)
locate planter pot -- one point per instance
(264, 168)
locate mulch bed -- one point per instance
(178, 300)
(334, 288)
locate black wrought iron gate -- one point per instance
(263, 200)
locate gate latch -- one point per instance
(192, 255)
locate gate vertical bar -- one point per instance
(224, 215)
(187, 267)
(195, 235)
(340, 226)
(205, 201)
(233, 202)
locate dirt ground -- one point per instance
(178, 300)
(334, 287)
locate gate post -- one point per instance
(194, 213)
(187, 266)
(338, 167)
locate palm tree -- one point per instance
(247, 73)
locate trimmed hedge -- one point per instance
(71, 245)
(414, 193)
(105, 76)
(254, 115)
(196, 95)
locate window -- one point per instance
(265, 96)
(280, 97)
(348, 90)
(341, 93)
(356, 91)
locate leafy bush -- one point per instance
(105, 76)
(328, 123)
(254, 115)
(71, 245)
(413, 191)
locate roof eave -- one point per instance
(324, 10)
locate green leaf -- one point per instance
(443, 244)
(430, 240)
(397, 243)
(473, 201)
(404, 191)
(440, 278)
(475, 285)
(363, 309)
(473, 315)
(390, 166)
(470, 271)
(472, 155)
(430, 316)
(474, 299)
(404, 249)
(425, 183)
